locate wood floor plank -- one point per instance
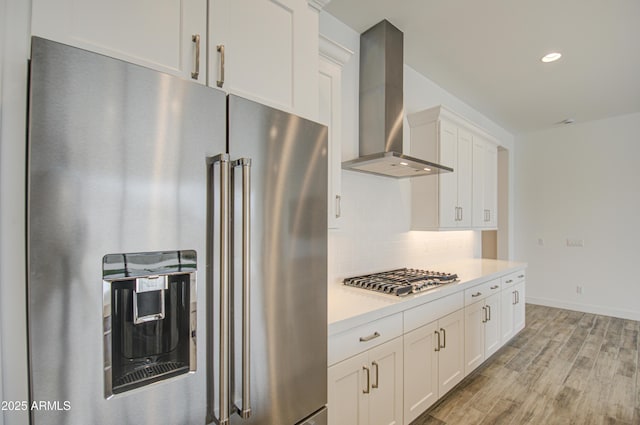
(533, 410)
(465, 416)
(621, 402)
(456, 401)
(428, 420)
(564, 368)
(578, 377)
(573, 344)
(502, 413)
(486, 399)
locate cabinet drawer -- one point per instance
(427, 313)
(482, 291)
(513, 278)
(364, 337)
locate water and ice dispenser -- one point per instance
(149, 317)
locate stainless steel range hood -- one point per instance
(381, 108)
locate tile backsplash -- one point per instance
(374, 231)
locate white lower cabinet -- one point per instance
(367, 388)
(518, 309)
(482, 331)
(392, 369)
(434, 363)
(512, 305)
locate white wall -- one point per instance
(374, 234)
(581, 181)
(14, 48)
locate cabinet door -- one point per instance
(464, 163)
(491, 185)
(157, 34)
(269, 52)
(508, 299)
(479, 216)
(492, 336)
(330, 85)
(448, 187)
(484, 184)
(519, 308)
(474, 320)
(348, 391)
(451, 356)
(385, 400)
(420, 370)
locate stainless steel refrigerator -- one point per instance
(177, 250)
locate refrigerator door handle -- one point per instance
(245, 410)
(225, 225)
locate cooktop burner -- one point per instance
(402, 281)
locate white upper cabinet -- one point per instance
(441, 201)
(266, 50)
(332, 58)
(485, 184)
(465, 198)
(166, 35)
(269, 46)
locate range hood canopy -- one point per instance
(381, 108)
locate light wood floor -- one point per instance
(565, 367)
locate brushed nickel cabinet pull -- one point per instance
(520, 276)
(509, 281)
(370, 337)
(196, 39)
(495, 287)
(514, 298)
(489, 310)
(484, 309)
(477, 294)
(220, 49)
(368, 389)
(438, 344)
(338, 206)
(377, 376)
(444, 338)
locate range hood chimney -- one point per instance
(381, 108)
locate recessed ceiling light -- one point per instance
(404, 163)
(426, 169)
(551, 57)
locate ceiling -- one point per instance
(487, 53)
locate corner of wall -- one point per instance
(15, 32)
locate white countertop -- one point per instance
(350, 307)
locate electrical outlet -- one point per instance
(575, 243)
(579, 290)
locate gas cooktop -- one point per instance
(402, 282)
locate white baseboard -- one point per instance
(586, 308)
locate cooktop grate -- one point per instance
(402, 282)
